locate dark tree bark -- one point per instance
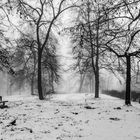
(97, 84)
(97, 60)
(41, 97)
(128, 80)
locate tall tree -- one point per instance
(91, 24)
(122, 37)
(43, 14)
(25, 62)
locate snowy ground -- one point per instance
(69, 117)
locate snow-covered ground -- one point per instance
(69, 117)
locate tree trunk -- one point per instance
(128, 80)
(32, 84)
(40, 93)
(92, 84)
(97, 84)
(97, 62)
(97, 73)
(81, 82)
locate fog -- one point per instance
(69, 81)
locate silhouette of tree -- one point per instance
(43, 15)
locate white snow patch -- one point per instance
(69, 117)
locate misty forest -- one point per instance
(69, 69)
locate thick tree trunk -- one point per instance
(97, 73)
(40, 93)
(97, 63)
(128, 80)
(97, 84)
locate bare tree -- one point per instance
(122, 36)
(91, 24)
(43, 14)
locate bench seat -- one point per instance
(3, 102)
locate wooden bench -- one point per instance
(2, 103)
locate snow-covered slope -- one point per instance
(69, 117)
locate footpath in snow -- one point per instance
(69, 117)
